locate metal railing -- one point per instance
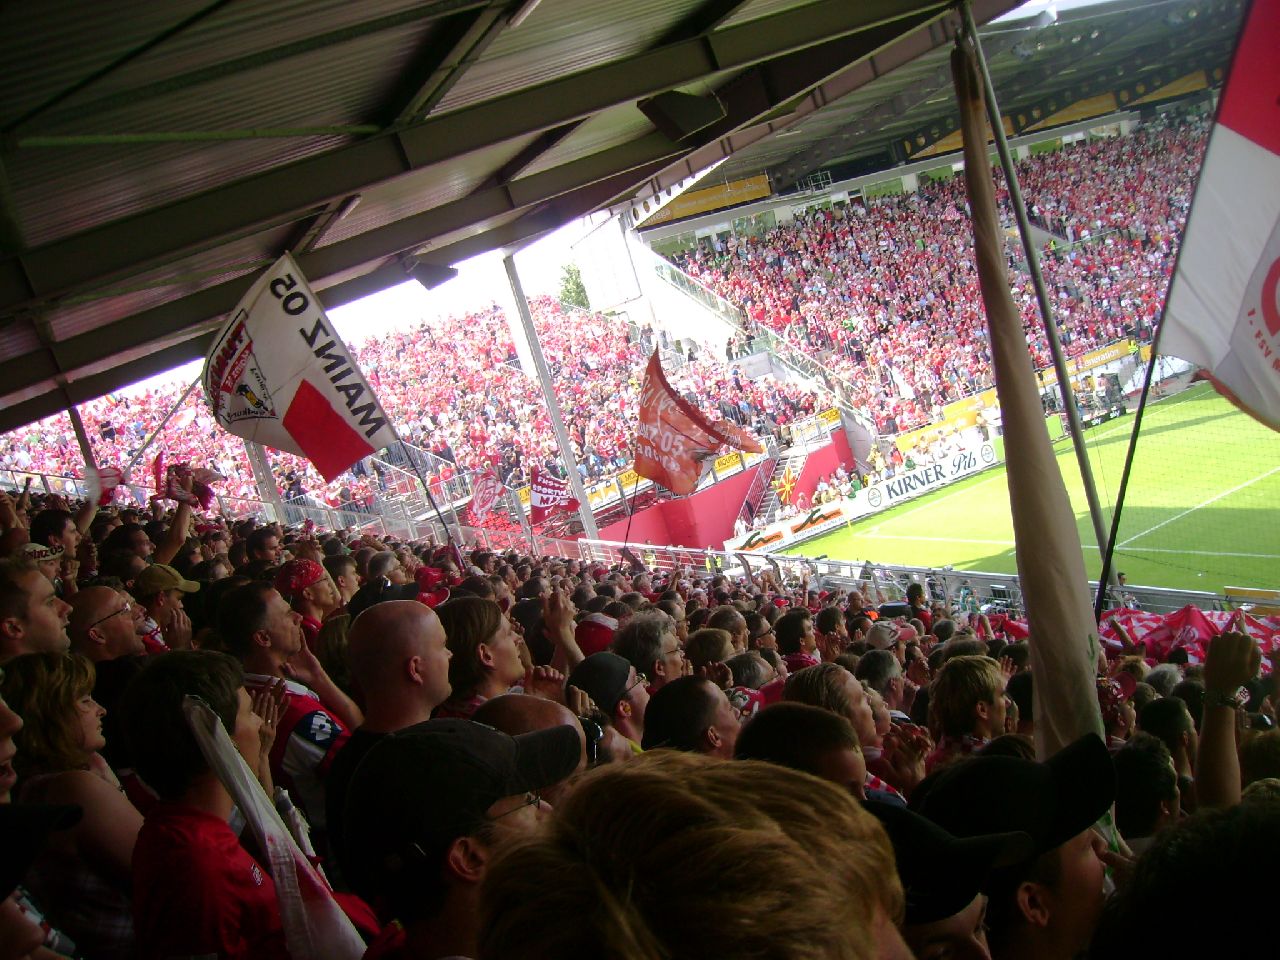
(342, 517)
(974, 589)
(726, 310)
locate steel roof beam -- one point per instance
(370, 247)
(441, 63)
(196, 223)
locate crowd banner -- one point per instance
(673, 439)
(1223, 312)
(1055, 587)
(279, 375)
(944, 470)
(547, 494)
(485, 492)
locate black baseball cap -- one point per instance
(1051, 801)
(418, 790)
(941, 873)
(380, 591)
(603, 677)
(24, 827)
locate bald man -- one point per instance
(400, 664)
(517, 713)
(101, 625)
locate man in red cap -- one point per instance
(311, 593)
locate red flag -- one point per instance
(673, 438)
(548, 494)
(1224, 302)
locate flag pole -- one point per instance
(549, 395)
(1051, 569)
(1108, 556)
(156, 432)
(426, 488)
(1037, 280)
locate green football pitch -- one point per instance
(1202, 511)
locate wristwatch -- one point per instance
(1216, 698)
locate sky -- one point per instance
(480, 282)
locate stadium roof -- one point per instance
(157, 155)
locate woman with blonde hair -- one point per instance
(83, 877)
(686, 856)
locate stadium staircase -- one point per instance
(770, 504)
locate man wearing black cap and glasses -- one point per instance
(1047, 905)
(426, 809)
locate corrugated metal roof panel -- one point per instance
(606, 129)
(755, 9)
(561, 38)
(343, 85)
(58, 194)
(422, 190)
(240, 258)
(77, 39)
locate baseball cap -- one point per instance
(296, 575)
(942, 873)
(160, 577)
(418, 790)
(24, 827)
(1051, 801)
(883, 636)
(376, 591)
(603, 677)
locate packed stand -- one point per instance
(888, 294)
(453, 387)
(507, 756)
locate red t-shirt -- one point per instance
(196, 892)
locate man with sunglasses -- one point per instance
(427, 810)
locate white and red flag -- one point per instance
(485, 491)
(547, 494)
(1223, 312)
(673, 439)
(279, 374)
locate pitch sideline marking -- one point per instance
(1085, 546)
(1198, 506)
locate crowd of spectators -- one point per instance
(455, 388)
(515, 756)
(886, 293)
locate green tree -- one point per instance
(572, 290)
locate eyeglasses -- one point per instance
(640, 678)
(676, 649)
(531, 799)
(125, 609)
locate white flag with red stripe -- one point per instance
(279, 374)
(1224, 304)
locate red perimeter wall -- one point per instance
(823, 463)
(702, 520)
